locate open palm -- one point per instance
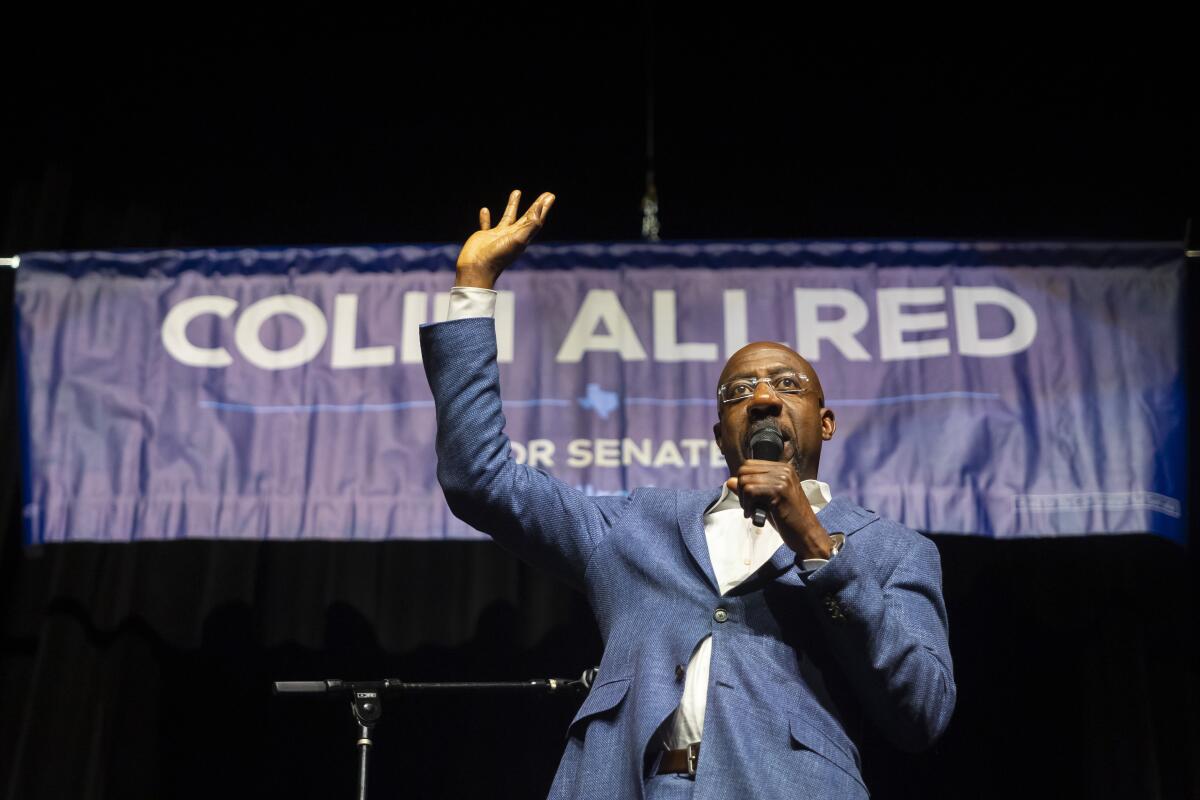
(491, 249)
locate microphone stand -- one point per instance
(366, 700)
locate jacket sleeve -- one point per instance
(538, 517)
(891, 637)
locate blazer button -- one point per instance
(720, 615)
(679, 672)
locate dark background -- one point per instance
(144, 670)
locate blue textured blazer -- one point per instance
(797, 658)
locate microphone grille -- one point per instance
(767, 444)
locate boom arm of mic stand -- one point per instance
(366, 699)
(334, 686)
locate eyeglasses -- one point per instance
(783, 383)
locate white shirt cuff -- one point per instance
(467, 302)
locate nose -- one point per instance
(764, 401)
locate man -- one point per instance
(738, 660)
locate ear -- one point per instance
(828, 424)
(717, 436)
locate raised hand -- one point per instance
(490, 250)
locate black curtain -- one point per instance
(144, 670)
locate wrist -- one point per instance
(823, 547)
(810, 564)
(474, 279)
(808, 538)
(821, 544)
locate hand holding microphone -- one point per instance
(770, 487)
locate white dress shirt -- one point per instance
(736, 547)
(737, 550)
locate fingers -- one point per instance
(533, 219)
(753, 466)
(754, 480)
(543, 204)
(761, 485)
(510, 211)
(535, 215)
(485, 219)
(748, 490)
(532, 215)
(736, 486)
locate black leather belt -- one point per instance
(680, 762)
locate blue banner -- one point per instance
(1000, 389)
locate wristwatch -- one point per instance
(803, 564)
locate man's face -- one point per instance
(801, 418)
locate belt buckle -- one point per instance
(693, 755)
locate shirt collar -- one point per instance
(816, 491)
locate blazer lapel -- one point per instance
(690, 507)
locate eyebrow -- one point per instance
(771, 372)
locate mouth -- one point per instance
(789, 449)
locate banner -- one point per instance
(999, 389)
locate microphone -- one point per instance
(765, 445)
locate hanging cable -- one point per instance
(650, 224)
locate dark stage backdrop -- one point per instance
(143, 671)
